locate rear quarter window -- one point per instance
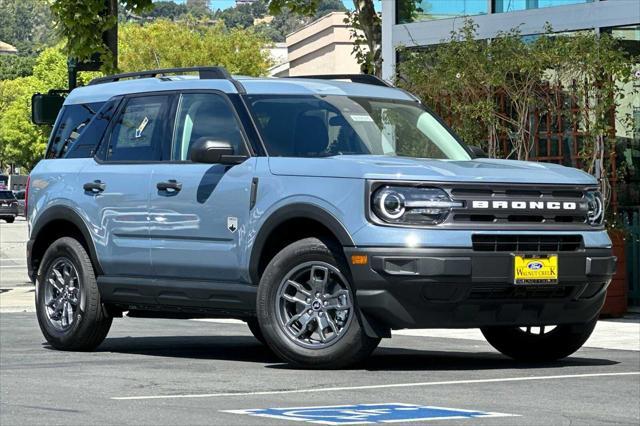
(72, 122)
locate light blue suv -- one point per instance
(323, 212)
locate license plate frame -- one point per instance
(535, 269)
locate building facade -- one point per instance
(413, 23)
(322, 47)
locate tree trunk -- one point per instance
(372, 28)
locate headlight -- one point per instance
(595, 208)
(411, 205)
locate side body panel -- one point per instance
(195, 232)
(118, 216)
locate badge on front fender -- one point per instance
(232, 223)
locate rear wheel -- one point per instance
(68, 306)
(547, 343)
(306, 308)
(10, 219)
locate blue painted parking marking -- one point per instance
(366, 413)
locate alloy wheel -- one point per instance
(314, 305)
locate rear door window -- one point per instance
(72, 122)
(140, 129)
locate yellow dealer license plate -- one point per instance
(536, 270)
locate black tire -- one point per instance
(91, 322)
(556, 344)
(352, 345)
(10, 219)
(254, 327)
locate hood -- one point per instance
(406, 168)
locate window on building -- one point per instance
(425, 10)
(500, 6)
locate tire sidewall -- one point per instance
(308, 250)
(63, 248)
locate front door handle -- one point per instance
(170, 186)
(94, 187)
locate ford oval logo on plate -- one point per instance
(534, 266)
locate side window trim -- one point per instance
(103, 149)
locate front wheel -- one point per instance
(306, 308)
(68, 306)
(548, 343)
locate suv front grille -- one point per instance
(520, 205)
(526, 243)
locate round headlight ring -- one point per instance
(391, 204)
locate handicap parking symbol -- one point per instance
(366, 413)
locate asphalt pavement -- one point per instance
(168, 372)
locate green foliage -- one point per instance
(21, 142)
(26, 24)
(14, 66)
(82, 22)
(146, 47)
(166, 10)
(301, 7)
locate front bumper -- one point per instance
(463, 288)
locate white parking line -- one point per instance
(387, 386)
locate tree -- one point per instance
(14, 66)
(21, 142)
(26, 24)
(166, 10)
(146, 47)
(365, 21)
(81, 23)
(199, 8)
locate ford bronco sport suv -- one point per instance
(325, 213)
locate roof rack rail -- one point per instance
(206, 73)
(354, 78)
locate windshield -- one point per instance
(6, 195)
(319, 126)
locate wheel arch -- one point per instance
(54, 223)
(302, 220)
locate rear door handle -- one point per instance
(95, 187)
(170, 186)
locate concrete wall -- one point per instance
(322, 47)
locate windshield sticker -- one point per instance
(362, 118)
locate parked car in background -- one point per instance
(8, 206)
(20, 197)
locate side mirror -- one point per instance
(207, 150)
(478, 152)
(45, 107)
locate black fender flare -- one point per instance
(295, 211)
(67, 214)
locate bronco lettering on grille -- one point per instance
(524, 205)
